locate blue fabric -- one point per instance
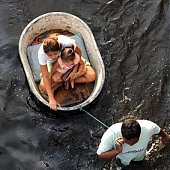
(33, 61)
(80, 42)
(33, 55)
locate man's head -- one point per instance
(131, 131)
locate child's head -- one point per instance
(51, 46)
(68, 55)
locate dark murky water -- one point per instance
(133, 37)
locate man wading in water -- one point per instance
(128, 140)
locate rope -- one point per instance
(81, 109)
(116, 141)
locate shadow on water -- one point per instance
(133, 38)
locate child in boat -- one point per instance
(71, 63)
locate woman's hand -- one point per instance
(53, 104)
(118, 149)
(72, 76)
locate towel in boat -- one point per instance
(72, 96)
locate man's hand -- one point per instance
(53, 104)
(166, 139)
(118, 149)
(118, 143)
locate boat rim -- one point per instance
(31, 84)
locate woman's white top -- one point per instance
(65, 41)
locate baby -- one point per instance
(70, 63)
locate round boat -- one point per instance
(64, 21)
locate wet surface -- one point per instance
(133, 38)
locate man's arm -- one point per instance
(165, 136)
(111, 153)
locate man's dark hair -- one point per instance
(130, 129)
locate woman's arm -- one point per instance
(75, 69)
(82, 69)
(47, 83)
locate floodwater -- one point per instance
(134, 40)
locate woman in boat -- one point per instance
(48, 54)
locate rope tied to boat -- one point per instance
(117, 140)
(81, 109)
